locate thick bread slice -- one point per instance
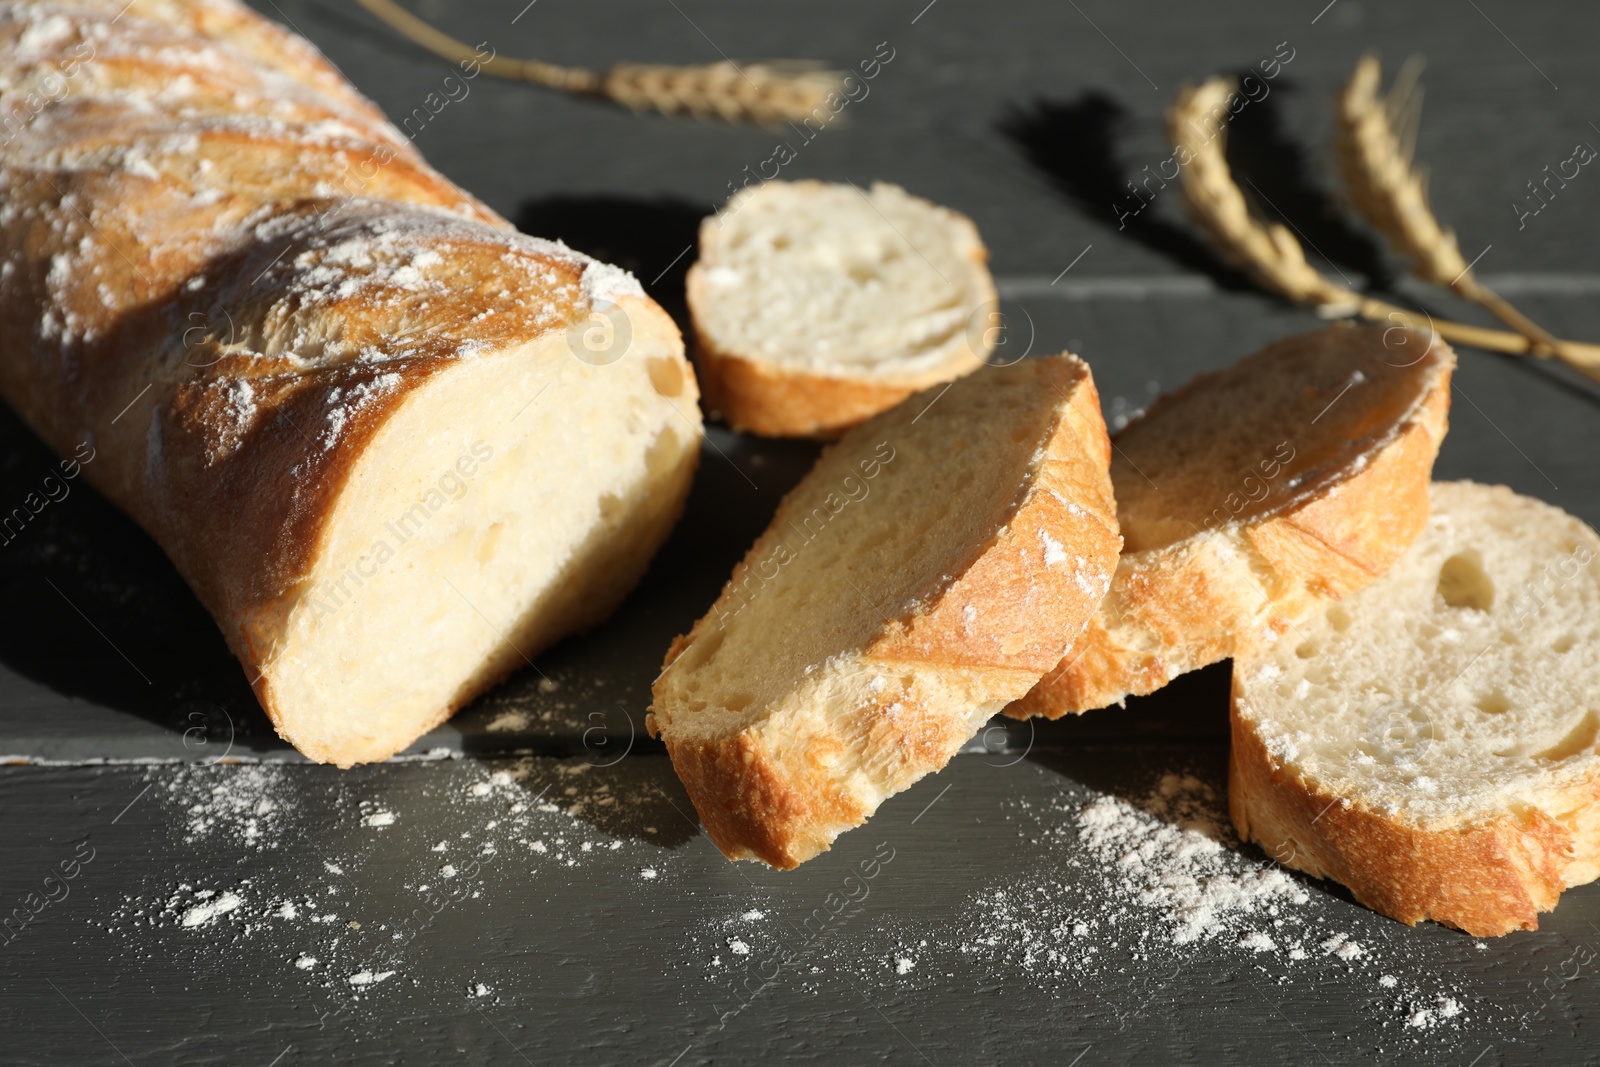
(1432, 742)
(1250, 497)
(928, 570)
(818, 305)
(393, 445)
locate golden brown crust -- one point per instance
(761, 396)
(773, 401)
(1486, 879)
(749, 805)
(773, 790)
(1009, 625)
(1181, 607)
(209, 212)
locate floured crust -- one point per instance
(767, 397)
(1183, 606)
(783, 787)
(227, 274)
(1487, 878)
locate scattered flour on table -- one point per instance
(513, 722)
(1132, 890)
(560, 703)
(325, 908)
(246, 804)
(210, 908)
(1171, 854)
(1256, 941)
(1436, 1014)
(363, 978)
(1132, 905)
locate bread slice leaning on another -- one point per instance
(929, 569)
(817, 305)
(1250, 497)
(1434, 742)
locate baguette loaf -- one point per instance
(370, 423)
(817, 305)
(1434, 741)
(928, 570)
(1250, 497)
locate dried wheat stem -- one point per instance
(1274, 258)
(1265, 250)
(1581, 357)
(1389, 192)
(767, 93)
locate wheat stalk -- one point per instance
(1272, 256)
(1391, 193)
(766, 93)
(1266, 251)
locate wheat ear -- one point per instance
(767, 93)
(1272, 256)
(1391, 193)
(1266, 251)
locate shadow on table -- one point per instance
(1074, 144)
(652, 238)
(98, 612)
(634, 798)
(1181, 729)
(1124, 752)
(100, 615)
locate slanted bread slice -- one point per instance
(817, 305)
(1250, 497)
(1432, 742)
(929, 569)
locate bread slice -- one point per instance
(1252, 496)
(1434, 742)
(817, 305)
(928, 570)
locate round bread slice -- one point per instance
(928, 570)
(1432, 741)
(1251, 497)
(817, 305)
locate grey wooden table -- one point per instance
(529, 884)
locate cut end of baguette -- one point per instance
(929, 569)
(479, 531)
(1434, 741)
(1252, 496)
(817, 305)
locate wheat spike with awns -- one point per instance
(1389, 194)
(766, 93)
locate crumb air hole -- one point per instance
(1494, 702)
(1463, 583)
